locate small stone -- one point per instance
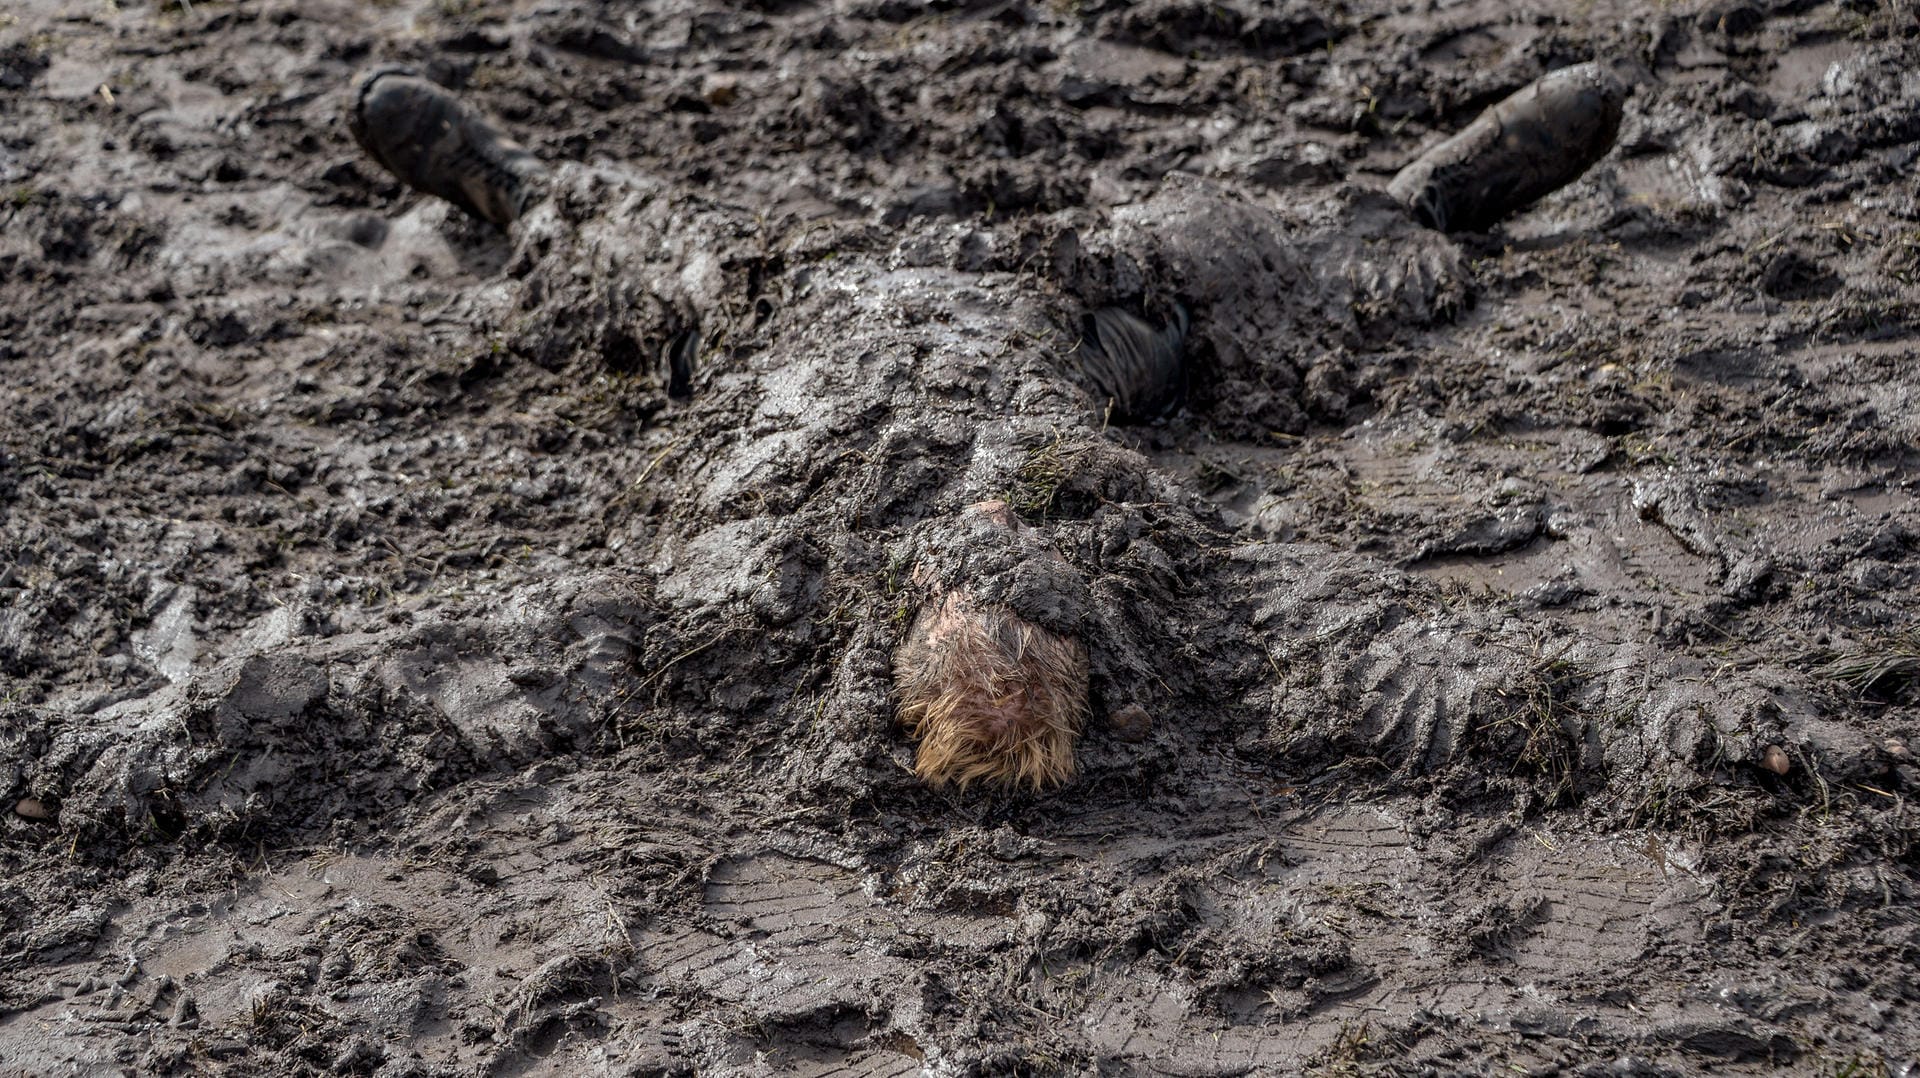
(1775, 760)
(32, 808)
(1897, 748)
(360, 1055)
(720, 90)
(1131, 723)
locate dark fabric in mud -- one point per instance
(399, 681)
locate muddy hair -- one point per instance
(989, 696)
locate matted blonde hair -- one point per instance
(990, 696)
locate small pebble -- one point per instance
(32, 808)
(1775, 760)
(720, 90)
(1898, 749)
(1131, 723)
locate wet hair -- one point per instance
(989, 696)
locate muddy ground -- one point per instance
(399, 681)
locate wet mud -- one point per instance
(433, 651)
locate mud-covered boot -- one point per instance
(1138, 370)
(1535, 142)
(434, 142)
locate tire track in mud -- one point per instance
(798, 962)
(804, 934)
(1358, 874)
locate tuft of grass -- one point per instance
(1884, 670)
(1541, 720)
(1355, 1047)
(1036, 490)
(1857, 1065)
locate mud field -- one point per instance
(1510, 641)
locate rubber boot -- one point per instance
(1535, 142)
(434, 142)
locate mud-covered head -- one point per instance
(989, 695)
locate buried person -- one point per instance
(992, 693)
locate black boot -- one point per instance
(1535, 142)
(1137, 370)
(434, 142)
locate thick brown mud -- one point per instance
(1509, 638)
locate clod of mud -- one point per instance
(1131, 723)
